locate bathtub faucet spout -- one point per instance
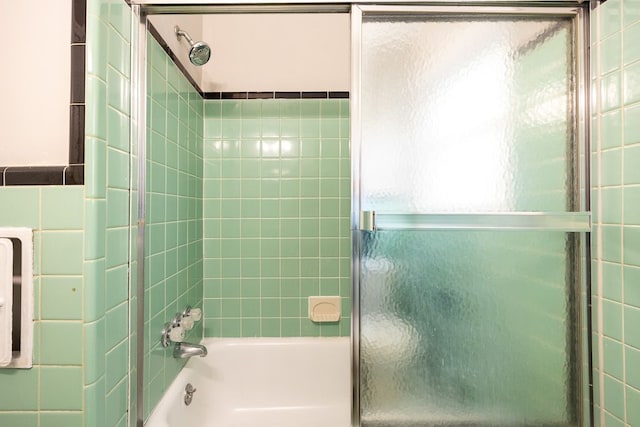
(184, 350)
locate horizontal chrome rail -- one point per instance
(549, 221)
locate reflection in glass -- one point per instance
(467, 115)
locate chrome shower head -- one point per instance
(199, 53)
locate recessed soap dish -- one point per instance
(324, 309)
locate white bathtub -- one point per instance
(265, 382)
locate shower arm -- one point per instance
(182, 33)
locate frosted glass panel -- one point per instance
(467, 328)
(467, 115)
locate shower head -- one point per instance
(199, 53)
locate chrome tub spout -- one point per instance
(184, 350)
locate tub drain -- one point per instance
(188, 394)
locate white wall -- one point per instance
(35, 82)
(266, 52)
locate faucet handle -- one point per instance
(176, 334)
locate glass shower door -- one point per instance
(469, 218)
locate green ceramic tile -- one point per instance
(61, 388)
(94, 290)
(62, 252)
(309, 128)
(612, 281)
(290, 327)
(270, 327)
(231, 328)
(633, 406)
(611, 53)
(19, 389)
(632, 124)
(94, 351)
(613, 359)
(66, 419)
(117, 286)
(117, 246)
(116, 404)
(631, 321)
(250, 327)
(116, 365)
(632, 83)
(611, 129)
(119, 55)
(95, 228)
(96, 109)
(631, 12)
(24, 419)
(631, 48)
(27, 203)
(631, 205)
(61, 343)
(116, 326)
(250, 307)
(610, 18)
(118, 169)
(62, 207)
(611, 91)
(61, 298)
(612, 318)
(632, 286)
(631, 160)
(309, 329)
(310, 147)
(631, 237)
(614, 396)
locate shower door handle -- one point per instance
(559, 221)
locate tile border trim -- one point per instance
(73, 173)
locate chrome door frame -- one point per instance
(581, 190)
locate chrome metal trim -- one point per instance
(238, 8)
(356, 235)
(438, 9)
(139, 88)
(562, 221)
(187, 3)
(367, 220)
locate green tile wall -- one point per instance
(616, 203)
(108, 201)
(276, 215)
(52, 389)
(174, 243)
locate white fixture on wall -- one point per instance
(16, 297)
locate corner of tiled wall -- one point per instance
(616, 207)
(173, 261)
(107, 203)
